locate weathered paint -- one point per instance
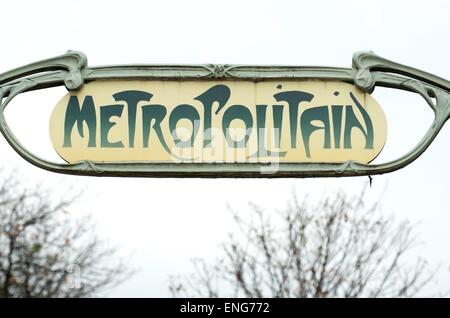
(218, 121)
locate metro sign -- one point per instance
(234, 121)
(221, 120)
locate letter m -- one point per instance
(75, 114)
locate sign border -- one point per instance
(368, 71)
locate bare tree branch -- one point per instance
(44, 252)
(338, 248)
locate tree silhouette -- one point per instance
(335, 248)
(44, 252)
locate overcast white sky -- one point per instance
(166, 222)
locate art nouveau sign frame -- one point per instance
(368, 71)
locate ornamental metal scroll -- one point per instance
(368, 71)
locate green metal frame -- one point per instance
(368, 71)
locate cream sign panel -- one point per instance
(218, 121)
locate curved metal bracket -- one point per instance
(368, 71)
(72, 63)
